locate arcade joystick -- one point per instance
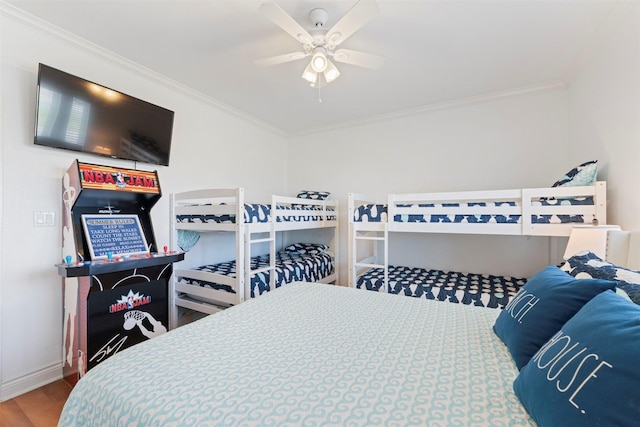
(68, 259)
(166, 248)
(109, 256)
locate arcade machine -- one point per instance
(115, 279)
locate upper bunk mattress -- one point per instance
(255, 213)
(376, 212)
(312, 355)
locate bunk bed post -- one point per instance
(601, 202)
(386, 257)
(272, 244)
(173, 243)
(351, 249)
(241, 250)
(336, 242)
(525, 202)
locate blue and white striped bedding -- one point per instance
(481, 290)
(378, 213)
(290, 267)
(255, 213)
(311, 355)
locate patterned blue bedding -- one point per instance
(311, 355)
(290, 267)
(255, 213)
(378, 213)
(462, 288)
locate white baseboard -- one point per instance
(32, 381)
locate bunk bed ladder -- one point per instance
(249, 242)
(374, 260)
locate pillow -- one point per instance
(313, 195)
(587, 374)
(307, 248)
(541, 307)
(588, 265)
(584, 174)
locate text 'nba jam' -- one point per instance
(118, 178)
(127, 303)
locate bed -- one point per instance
(340, 356)
(337, 357)
(549, 211)
(210, 287)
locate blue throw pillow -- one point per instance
(307, 248)
(584, 174)
(587, 374)
(313, 195)
(542, 306)
(588, 265)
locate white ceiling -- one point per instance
(437, 51)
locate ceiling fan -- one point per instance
(320, 43)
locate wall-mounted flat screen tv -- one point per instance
(76, 114)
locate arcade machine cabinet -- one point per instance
(115, 280)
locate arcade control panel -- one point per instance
(116, 263)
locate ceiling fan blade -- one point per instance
(280, 59)
(358, 15)
(282, 19)
(361, 59)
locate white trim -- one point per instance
(31, 381)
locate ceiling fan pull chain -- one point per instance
(319, 86)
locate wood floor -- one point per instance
(38, 408)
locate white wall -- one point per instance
(604, 101)
(30, 289)
(494, 143)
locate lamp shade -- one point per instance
(319, 62)
(309, 75)
(589, 238)
(331, 72)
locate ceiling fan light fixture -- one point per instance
(331, 73)
(319, 61)
(309, 74)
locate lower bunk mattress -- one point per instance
(290, 267)
(481, 290)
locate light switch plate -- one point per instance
(43, 219)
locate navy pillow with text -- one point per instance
(541, 307)
(587, 373)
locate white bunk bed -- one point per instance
(216, 210)
(528, 212)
